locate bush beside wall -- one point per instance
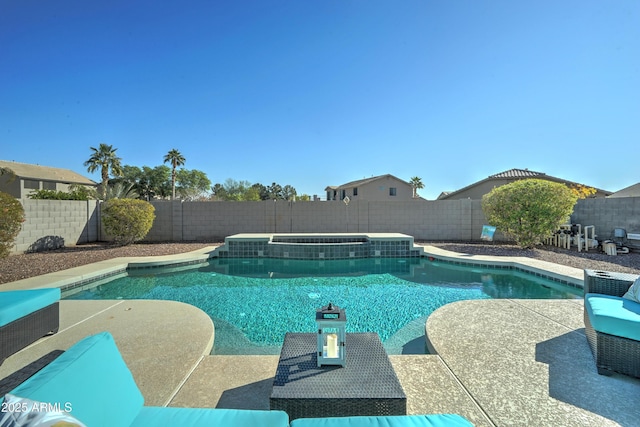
(11, 219)
(127, 220)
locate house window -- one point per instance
(343, 194)
(392, 191)
(48, 185)
(31, 184)
(355, 191)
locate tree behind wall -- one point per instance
(175, 158)
(192, 184)
(416, 184)
(104, 158)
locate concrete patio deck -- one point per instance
(498, 362)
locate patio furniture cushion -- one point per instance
(93, 378)
(634, 291)
(440, 420)
(614, 315)
(171, 417)
(17, 304)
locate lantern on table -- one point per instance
(332, 323)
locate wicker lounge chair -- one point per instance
(25, 317)
(612, 353)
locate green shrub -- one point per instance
(529, 210)
(11, 219)
(78, 193)
(127, 220)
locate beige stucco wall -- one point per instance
(16, 186)
(378, 190)
(480, 190)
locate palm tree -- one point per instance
(416, 184)
(104, 158)
(122, 190)
(176, 159)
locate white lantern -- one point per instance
(332, 324)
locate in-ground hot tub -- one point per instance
(319, 246)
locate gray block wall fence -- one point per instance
(607, 214)
(53, 223)
(425, 220)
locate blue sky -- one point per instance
(315, 93)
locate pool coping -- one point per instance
(570, 276)
(77, 277)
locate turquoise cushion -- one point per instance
(172, 417)
(17, 304)
(91, 377)
(440, 420)
(614, 315)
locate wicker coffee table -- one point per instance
(367, 385)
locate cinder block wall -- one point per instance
(162, 229)
(216, 220)
(52, 224)
(608, 213)
(425, 220)
(429, 220)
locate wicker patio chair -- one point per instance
(611, 353)
(21, 332)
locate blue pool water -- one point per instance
(254, 302)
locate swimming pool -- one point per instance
(254, 302)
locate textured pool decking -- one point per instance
(161, 341)
(527, 362)
(498, 362)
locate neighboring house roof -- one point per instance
(514, 174)
(630, 191)
(47, 173)
(361, 182)
(518, 173)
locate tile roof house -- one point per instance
(26, 178)
(480, 188)
(376, 188)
